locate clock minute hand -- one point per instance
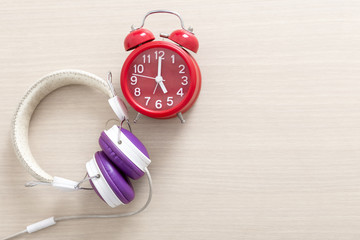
(159, 67)
(159, 80)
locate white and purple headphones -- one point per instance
(123, 156)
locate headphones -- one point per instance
(183, 37)
(123, 156)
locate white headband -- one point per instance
(33, 97)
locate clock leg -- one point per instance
(138, 116)
(180, 116)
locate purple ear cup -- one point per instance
(96, 191)
(118, 182)
(119, 158)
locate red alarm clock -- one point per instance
(160, 79)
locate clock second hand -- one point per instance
(155, 87)
(138, 75)
(159, 80)
(157, 83)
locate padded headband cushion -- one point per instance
(30, 101)
(119, 158)
(118, 182)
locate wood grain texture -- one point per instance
(271, 150)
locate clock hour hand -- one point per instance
(160, 81)
(163, 88)
(161, 85)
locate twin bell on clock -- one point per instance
(160, 79)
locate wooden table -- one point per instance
(271, 149)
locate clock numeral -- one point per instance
(170, 101)
(133, 80)
(180, 92)
(184, 80)
(173, 58)
(138, 68)
(137, 92)
(146, 57)
(158, 104)
(182, 68)
(147, 100)
(159, 54)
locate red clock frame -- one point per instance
(189, 99)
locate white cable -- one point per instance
(66, 218)
(15, 235)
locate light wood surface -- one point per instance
(271, 149)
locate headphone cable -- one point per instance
(53, 220)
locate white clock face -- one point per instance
(158, 79)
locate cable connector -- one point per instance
(41, 225)
(57, 182)
(34, 227)
(64, 183)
